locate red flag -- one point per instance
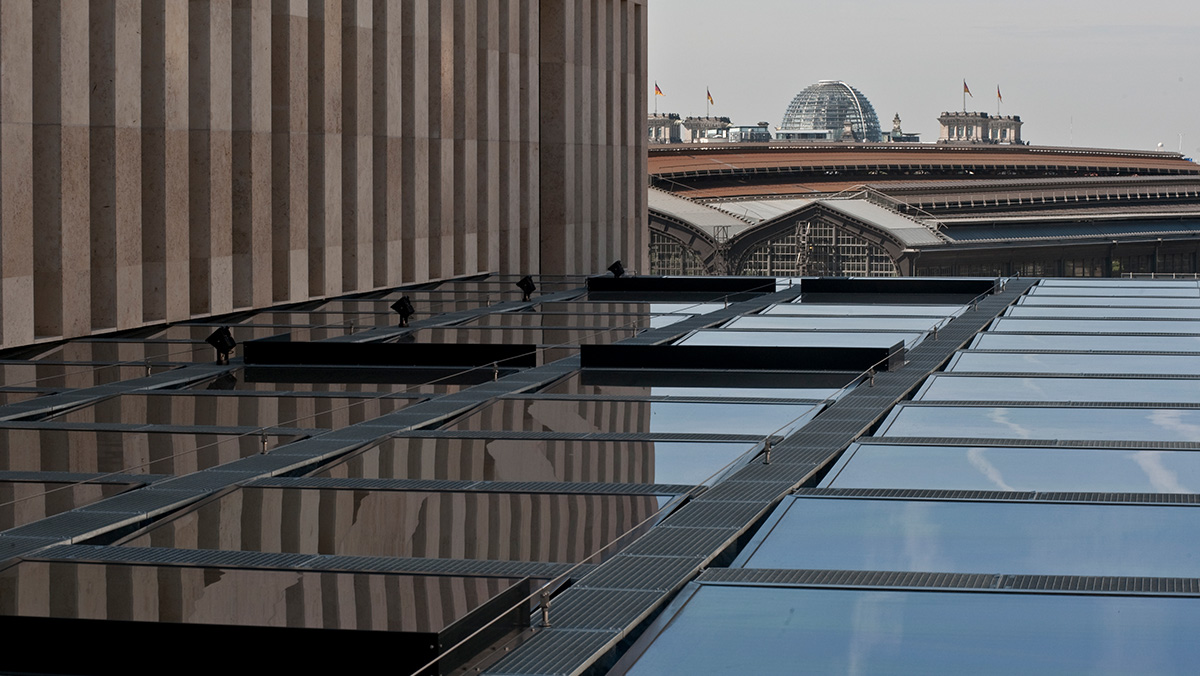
(998, 94)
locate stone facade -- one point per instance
(173, 159)
(979, 128)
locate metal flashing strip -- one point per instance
(1030, 443)
(815, 445)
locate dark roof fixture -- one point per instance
(222, 340)
(404, 308)
(617, 269)
(527, 287)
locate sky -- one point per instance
(1098, 73)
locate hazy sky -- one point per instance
(1103, 73)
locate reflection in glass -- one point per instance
(51, 450)
(836, 323)
(1033, 389)
(798, 307)
(1104, 312)
(235, 596)
(1047, 422)
(554, 527)
(722, 629)
(639, 462)
(762, 338)
(1102, 301)
(1015, 538)
(559, 415)
(1083, 343)
(1188, 291)
(23, 502)
(1013, 325)
(1081, 364)
(329, 412)
(1016, 469)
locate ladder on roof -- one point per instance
(803, 230)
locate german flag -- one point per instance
(709, 96)
(657, 91)
(967, 90)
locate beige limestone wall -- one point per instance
(184, 158)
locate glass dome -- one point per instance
(827, 105)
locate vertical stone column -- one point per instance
(417, 105)
(251, 153)
(127, 156)
(16, 171)
(388, 145)
(357, 144)
(464, 141)
(289, 149)
(102, 154)
(487, 132)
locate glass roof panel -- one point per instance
(836, 631)
(635, 417)
(551, 527)
(1082, 364)
(327, 411)
(1104, 312)
(1014, 538)
(636, 462)
(977, 468)
(1191, 291)
(763, 338)
(1107, 301)
(1084, 424)
(1014, 325)
(1109, 343)
(801, 323)
(799, 308)
(1034, 389)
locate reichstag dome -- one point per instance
(827, 105)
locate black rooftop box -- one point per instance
(739, 357)
(648, 287)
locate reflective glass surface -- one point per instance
(1015, 538)
(1119, 301)
(723, 629)
(23, 502)
(329, 412)
(444, 524)
(764, 338)
(1017, 469)
(58, 450)
(800, 308)
(1096, 424)
(776, 386)
(1099, 364)
(1035, 341)
(639, 462)
(1191, 291)
(995, 388)
(236, 380)
(258, 598)
(1122, 283)
(558, 415)
(51, 375)
(1094, 326)
(835, 323)
(1104, 312)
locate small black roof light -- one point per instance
(527, 287)
(222, 340)
(617, 269)
(405, 309)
